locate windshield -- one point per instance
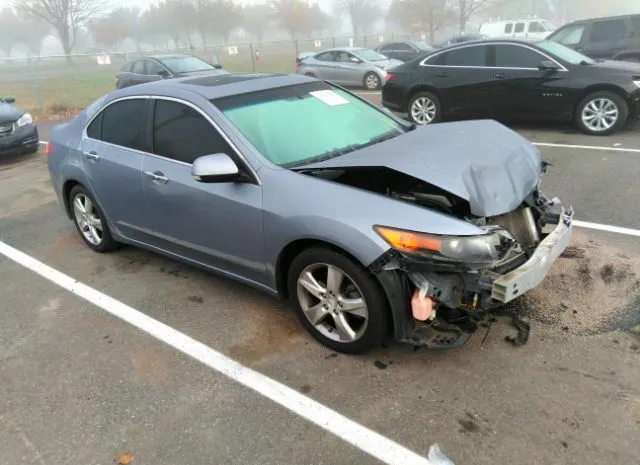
(565, 53)
(186, 64)
(306, 123)
(423, 45)
(369, 55)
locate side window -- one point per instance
(124, 124)
(519, 28)
(514, 56)
(570, 35)
(93, 130)
(467, 56)
(153, 68)
(508, 28)
(635, 21)
(404, 48)
(183, 134)
(387, 48)
(604, 31)
(536, 27)
(326, 56)
(138, 67)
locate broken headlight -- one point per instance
(481, 249)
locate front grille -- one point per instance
(6, 128)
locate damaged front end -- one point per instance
(439, 287)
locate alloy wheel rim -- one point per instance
(332, 302)
(88, 219)
(423, 110)
(600, 114)
(372, 81)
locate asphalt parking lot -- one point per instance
(78, 385)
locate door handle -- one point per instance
(500, 75)
(93, 156)
(442, 75)
(157, 177)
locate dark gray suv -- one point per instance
(616, 37)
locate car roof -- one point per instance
(603, 18)
(213, 86)
(344, 49)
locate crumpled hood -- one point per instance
(9, 112)
(483, 162)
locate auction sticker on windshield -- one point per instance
(329, 97)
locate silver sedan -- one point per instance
(349, 66)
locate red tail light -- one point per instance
(49, 149)
(389, 76)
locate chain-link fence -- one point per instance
(55, 85)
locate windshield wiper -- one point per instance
(325, 156)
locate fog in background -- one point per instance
(97, 26)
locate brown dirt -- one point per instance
(590, 289)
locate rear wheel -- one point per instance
(601, 113)
(89, 221)
(424, 108)
(338, 301)
(372, 81)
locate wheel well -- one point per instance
(598, 88)
(421, 88)
(66, 190)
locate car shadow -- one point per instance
(14, 159)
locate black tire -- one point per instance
(369, 79)
(107, 243)
(620, 104)
(371, 334)
(425, 97)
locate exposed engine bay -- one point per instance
(444, 298)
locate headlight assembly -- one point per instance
(24, 120)
(481, 249)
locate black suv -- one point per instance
(616, 37)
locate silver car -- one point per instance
(348, 66)
(371, 227)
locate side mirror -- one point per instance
(9, 100)
(163, 73)
(355, 60)
(217, 66)
(548, 65)
(215, 168)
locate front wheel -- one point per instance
(601, 113)
(425, 108)
(338, 301)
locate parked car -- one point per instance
(156, 67)
(523, 29)
(616, 37)
(404, 51)
(460, 39)
(18, 131)
(310, 193)
(350, 66)
(516, 80)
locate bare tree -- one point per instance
(10, 29)
(421, 15)
(226, 17)
(65, 16)
(362, 13)
(33, 32)
(465, 9)
(113, 29)
(257, 19)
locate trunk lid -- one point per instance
(483, 162)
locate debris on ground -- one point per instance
(591, 288)
(523, 331)
(437, 457)
(125, 459)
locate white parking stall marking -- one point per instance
(586, 147)
(365, 439)
(608, 228)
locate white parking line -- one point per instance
(363, 438)
(608, 228)
(586, 147)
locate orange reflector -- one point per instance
(409, 241)
(49, 148)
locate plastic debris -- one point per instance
(437, 457)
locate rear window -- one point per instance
(127, 67)
(604, 31)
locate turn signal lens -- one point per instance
(389, 76)
(408, 241)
